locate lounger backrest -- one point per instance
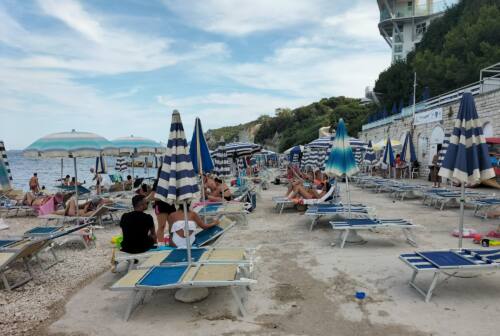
(328, 194)
(32, 248)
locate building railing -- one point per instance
(402, 11)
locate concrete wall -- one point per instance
(488, 108)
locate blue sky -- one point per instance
(120, 67)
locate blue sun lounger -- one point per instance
(236, 209)
(200, 275)
(483, 205)
(357, 210)
(370, 224)
(449, 263)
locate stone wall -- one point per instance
(427, 136)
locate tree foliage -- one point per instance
(453, 50)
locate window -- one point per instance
(421, 28)
(410, 6)
(398, 48)
(398, 38)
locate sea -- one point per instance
(49, 170)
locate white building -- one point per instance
(404, 22)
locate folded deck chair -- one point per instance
(22, 250)
(216, 255)
(356, 210)
(281, 202)
(143, 281)
(369, 224)
(237, 209)
(449, 263)
(202, 238)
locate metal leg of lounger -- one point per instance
(344, 238)
(282, 207)
(6, 282)
(427, 294)
(239, 301)
(313, 223)
(410, 238)
(136, 298)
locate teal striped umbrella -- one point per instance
(341, 159)
(134, 146)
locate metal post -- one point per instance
(186, 233)
(348, 195)
(62, 166)
(76, 191)
(414, 96)
(461, 223)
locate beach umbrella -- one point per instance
(466, 159)
(341, 159)
(388, 155)
(222, 166)
(326, 143)
(121, 165)
(408, 152)
(100, 165)
(358, 156)
(177, 180)
(380, 145)
(200, 154)
(443, 150)
(5, 174)
(370, 157)
(71, 145)
(237, 149)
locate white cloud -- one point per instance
(243, 17)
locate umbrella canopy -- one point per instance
(199, 150)
(443, 150)
(378, 146)
(388, 156)
(358, 156)
(68, 144)
(5, 174)
(177, 182)
(370, 157)
(121, 165)
(237, 149)
(222, 166)
(133, 146)
(341, 159)
(408, 152)
(326, 142)
(466, 159)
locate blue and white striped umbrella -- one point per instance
(134, 146)
(444, 148)
(5, 174)
(408, 152)
(68, 144)
(222, 166)
(388, 156)
(341, 158)
(177, 182)
(370, 157)
(326, 142)
(121, 165)
(100, 165)
(199, 150)
(466, 159)
(237, 149)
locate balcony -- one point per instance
(402, 11)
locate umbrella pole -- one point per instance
(348, 195)
(62, 166)
(76, 191)
(186, 233)
(461, 223)
(133, 172)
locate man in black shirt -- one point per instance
(138, 228)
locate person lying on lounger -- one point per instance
(138, 228)
(298, 190)
(220, 192)
(177, 236)
(85, 210)
(31, 200)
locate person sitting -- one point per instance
(73, 182)
(138, 228)
(177, 220)
(220, 192)
(129, 183)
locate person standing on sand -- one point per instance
(34, 184)
(435, 178)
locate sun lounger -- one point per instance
(199, 275)
(282, 202)
(337, 209)
(448, 263)
(202, 238)
(348, 225)
(54, 232)
(22, 250)
(236, 209)
(97, 216)
(81, 189)
(483, 205)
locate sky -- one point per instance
(119, 67)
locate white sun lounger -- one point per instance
(199, 275)
(232, 209)
(448, 263)
(281, 202)
(357, 210)
(369, 224)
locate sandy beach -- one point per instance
(305, 286)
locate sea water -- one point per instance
(49, 170)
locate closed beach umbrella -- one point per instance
(341, 159)
(5, 174)
(121, 165)
(443, 150)
(100, 165)
(466, 159)
(222, 166)
(68, 144)
(370, 157)
(408, 152)
(177, 180)
(237, 149)
(326, 143)
(388, 156)
(200, 154)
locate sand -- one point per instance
(305, 286)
